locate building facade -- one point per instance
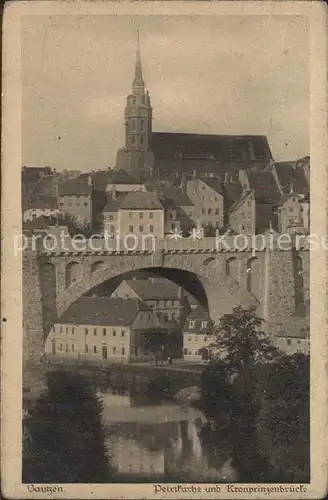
(197, 336)
(100, 329)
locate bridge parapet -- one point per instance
(146, 244)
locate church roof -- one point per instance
(172, 145)
(102, 311)
(142, 200)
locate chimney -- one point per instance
(89, 180)
(114, 193)
(291, 190)
(183, 184)
(226, 177)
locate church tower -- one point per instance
(136, 157)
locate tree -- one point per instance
(65, 440)
(241, 342)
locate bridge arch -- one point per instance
(73, 272)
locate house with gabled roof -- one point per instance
(75, 199)
(241, 215)
(101, 329)
(197, 336)
(207, 197)
(164, 297)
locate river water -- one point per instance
(164, 441)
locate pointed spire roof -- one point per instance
(138, 85)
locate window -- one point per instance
(189, 352)
(166, 318)
(191, 324)
(114, 333)
(123, 351)
(86, 204)
(66, 347)
(112, 229)
(205, 338)
(209, 211)
(104, 332)
(86, 331)
(114, 350)
(298, 341)
(185, 351)
(204, 324)
(141, 228)
(151, 215)
(61, 204)
(195, 339)
(216, 211)
(130, 215)
(73, 329)
(86, 348)
(61, 329)
(61, 347)
(289, 342)
(131, 229)
(95, 349)
(140, 215)
(73, 347)
(189, 339)
(173, 317)
(203, 211)
(141, 124)
(95, 331)
(151, 228)
(173, 226)
(243, 213)
(122, 332)
(111, 217)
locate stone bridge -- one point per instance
(220, 276)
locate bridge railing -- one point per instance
(148, 243)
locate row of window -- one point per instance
(141, 215)
(289, 341)
(196, 339)
(141, 228)
(104, 332)
(210, 211)
(192, 323)
(197, 352)
(71, 330)
(157, 303)
(77, 203)
(66, 348)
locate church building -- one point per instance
(168, 155)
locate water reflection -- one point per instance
(164, 441)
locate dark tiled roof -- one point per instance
(232, 192)
(141, 200)
(290, 175)
(167, 145)
(75, 187)
(157, 290)
(174, 197)
(38, 224)
(103, 311)
(43, 203)
(214, 184)
(113, 205)
(264, 186)
(240, 200)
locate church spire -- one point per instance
(138, 85)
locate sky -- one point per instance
(207, 74)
